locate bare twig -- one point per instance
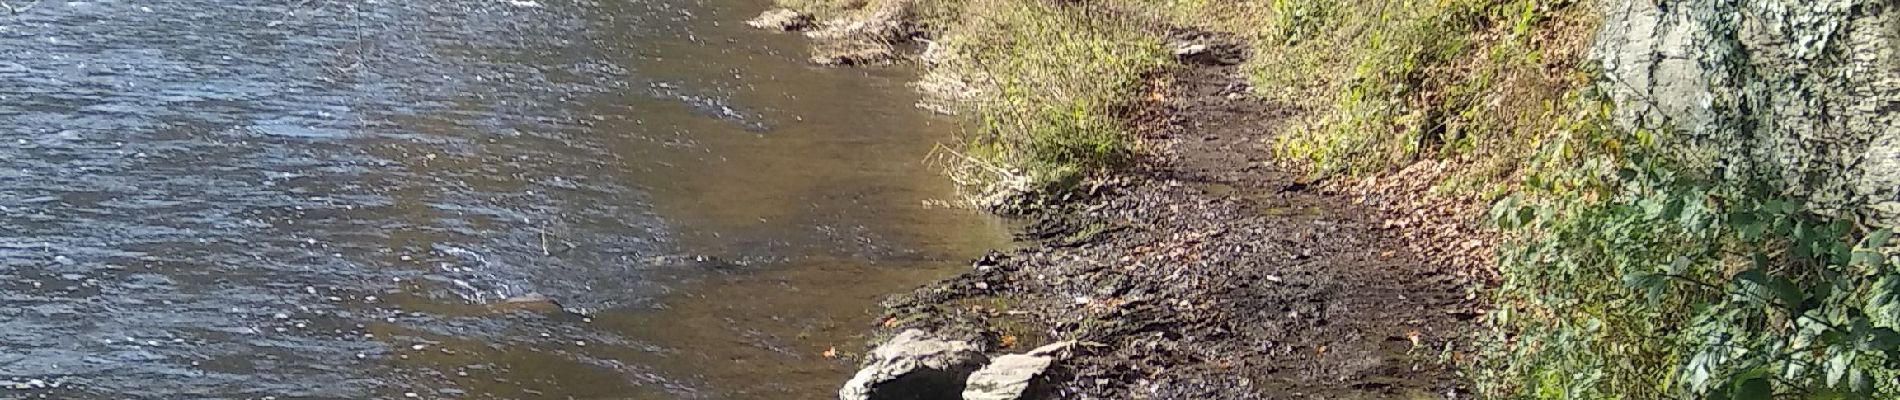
(11, 9)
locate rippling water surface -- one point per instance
(332, 199)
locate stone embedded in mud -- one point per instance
(1202, 53)
(781, 19)
(914, 365)
(531, 302)
(1014, 376)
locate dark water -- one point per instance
(331, 199)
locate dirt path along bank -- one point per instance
(1208, 273)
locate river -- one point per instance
(338, 199)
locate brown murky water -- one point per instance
(243, 199)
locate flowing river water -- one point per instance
(339, 198)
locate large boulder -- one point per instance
(915, 365)
(1802, 92)
(1015, 376)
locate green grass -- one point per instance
(1058, 82)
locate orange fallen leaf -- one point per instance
(890, 322)
(1414, 336)
(831, 352)
(1008, 341)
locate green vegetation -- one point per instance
(1654, 281)
(1627, 272)
(1056, 84)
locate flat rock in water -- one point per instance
(914, 365)
(1012, 377)
(531, 302)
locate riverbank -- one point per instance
(1528, 187)
(1204, 268)
(1206, 273)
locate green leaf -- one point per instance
(1837, 367)
(1756, 388)
(1827, 394)
(1790, 296)
(1679, 265)
(1651, 284)
(1877, 239)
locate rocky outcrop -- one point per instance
(1803, 92)
(1015, 376)
(915, 365)
(868, 35)
(780, 19)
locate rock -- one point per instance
(781, 19)
(883, 21)
(1190, 50)
(869, 35)
(1202, 53)
(914, 365)
(531, 302)
(852, 52)
(1801, 92)
(1014, 376)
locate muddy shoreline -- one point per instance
(1208, 272)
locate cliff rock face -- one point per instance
(1805, 92)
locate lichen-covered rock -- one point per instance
(781, 19)
(868, 35)
(880, 20)
(915, 365)
(1804, 92)
(1014, 376)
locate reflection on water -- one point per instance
(331, 199)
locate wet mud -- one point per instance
(1209, 272)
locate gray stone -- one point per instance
(914, 365)
(1805, 93)
(1014, 376)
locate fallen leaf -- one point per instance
(1414, 336)
(1008, 341)
(831, 352)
